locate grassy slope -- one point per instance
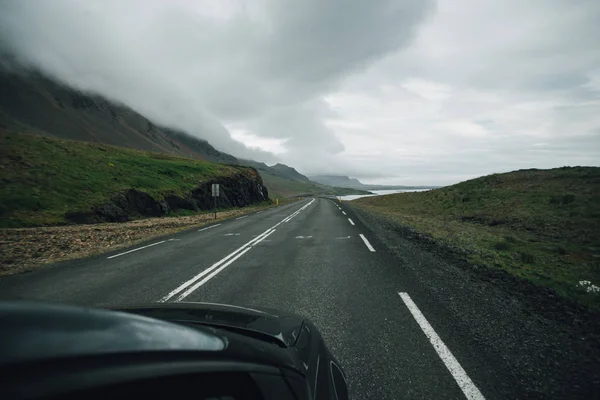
(43, 177)
(540, 225)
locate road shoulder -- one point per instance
(549, 348)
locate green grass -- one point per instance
(539, 225)
(43, 178)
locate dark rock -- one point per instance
(82, 217)
(175, 202)
(164, 207)
(239, 190)
(135, 202)
(111, 213)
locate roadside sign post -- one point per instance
(215, 194)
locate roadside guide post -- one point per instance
(215, 194)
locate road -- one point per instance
(392, 331)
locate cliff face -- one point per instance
(238, 190)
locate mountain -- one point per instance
(284, 181)
(337, 180)
(353, 183)
(289, 173)
(34, 104)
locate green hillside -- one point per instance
(540, 225)
(43, 178)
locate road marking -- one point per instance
(258, 212)
(214, 273)
(458, 373)
(190, 282)
(173, 240)
(203, 281)
(194, 279)
(352, 222)
(210, 227)
(231, 234)
(303, 237)
(366, 242)
(139, 248)
(245, 216)
(263, 238)
(343, 237)
(344, 212)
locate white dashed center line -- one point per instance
(371, 248)
(210, 227)
(352, 222)
(139, 248)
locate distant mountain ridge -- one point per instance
(289, 172)
(337, 180)
(353, 183)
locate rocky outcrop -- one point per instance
(234, 192)
(181, 203)
(239, 190)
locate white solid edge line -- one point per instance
(344, 212)
(215, 272)
(191, 281)
(242, 217)
(366, 242)
(210, 227)
(139, 248)
(458, 373)
(352, 222)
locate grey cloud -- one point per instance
(494, 80)
(266, 62)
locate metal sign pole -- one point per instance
(215, 194)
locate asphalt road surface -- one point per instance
(396, 333)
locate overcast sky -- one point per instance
(404, 92)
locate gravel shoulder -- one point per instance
(26, 249)
(545, 344)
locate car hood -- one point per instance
(276, 326)
(33, 331)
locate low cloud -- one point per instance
(406, 91)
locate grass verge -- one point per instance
(539, 225)
(43, 178)
(26, 249)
